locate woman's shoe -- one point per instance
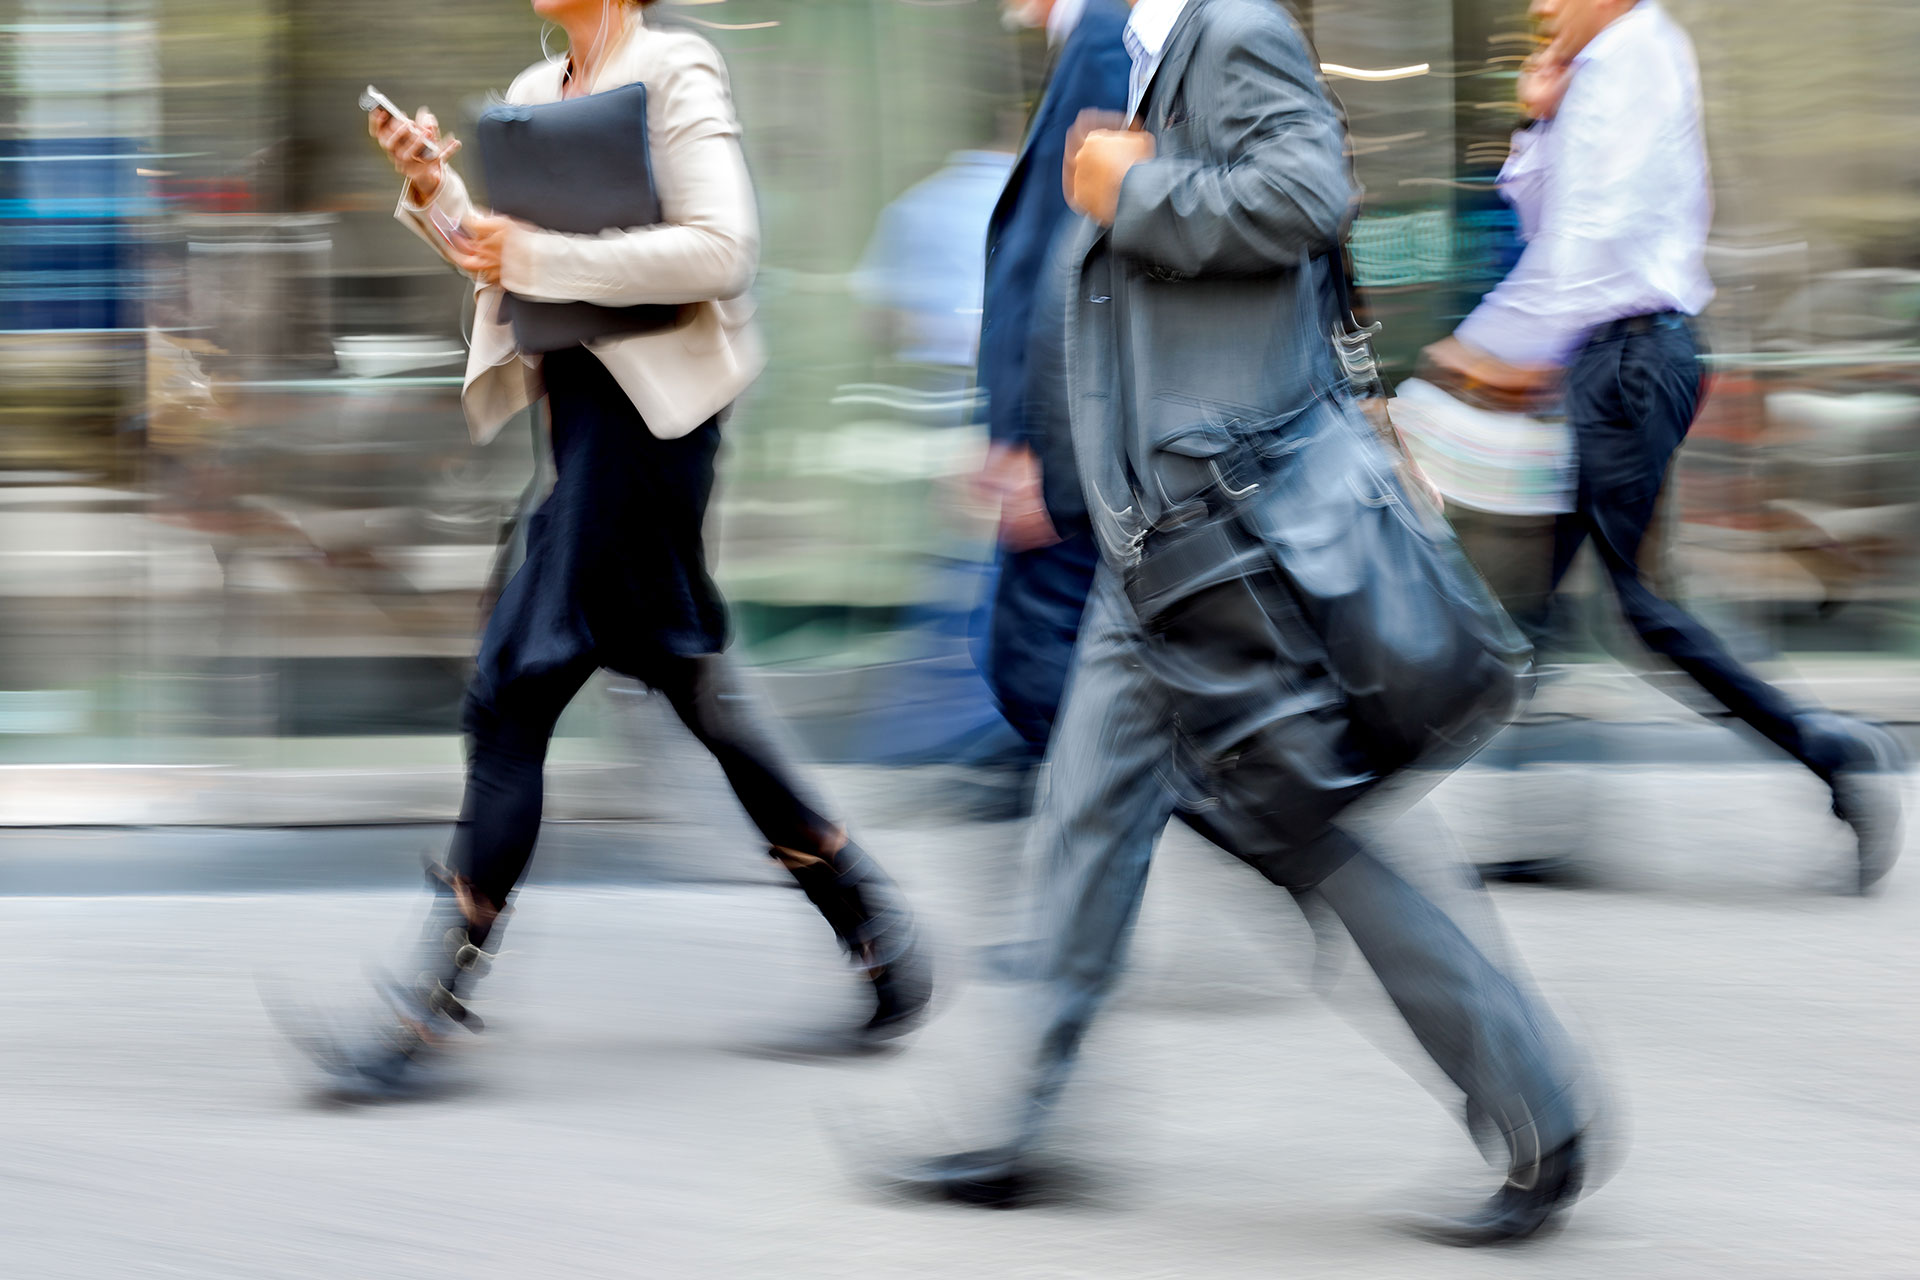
(397, 1055)
(877, 929)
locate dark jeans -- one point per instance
(1035, 619)
(1631, 397)
(508, 732)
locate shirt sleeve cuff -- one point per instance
(1516, 339)
(407, 201)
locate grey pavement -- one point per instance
(1761, 1036)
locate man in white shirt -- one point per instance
(1610, 183)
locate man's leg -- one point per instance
(1092, 839)
(1513, 554)
(1037, 606)
(1277, 797)
(1543, 618)
(1631, 401)
(1106, 802)
(1496, 1042)
(1505, 1051)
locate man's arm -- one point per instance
(1024, 419)
(1585, 240)
(1285, 188)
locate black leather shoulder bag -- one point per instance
(1348, 567)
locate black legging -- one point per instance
(508, 733)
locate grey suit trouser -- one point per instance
(1114, 784)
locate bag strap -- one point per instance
(1358, 362)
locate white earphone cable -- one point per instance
(593, 50)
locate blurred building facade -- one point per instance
(238, 505)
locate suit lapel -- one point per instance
(1042, 118)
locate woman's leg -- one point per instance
(707, 695)
(848, 888)
(507, 734)
(426, 995)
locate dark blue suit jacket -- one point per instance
(1091, 72)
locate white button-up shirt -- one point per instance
(1148, 27)
(1612, 197)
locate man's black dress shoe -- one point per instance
(1562, 872)
(996, 1178)
(1867, 795)
(1529, 1200)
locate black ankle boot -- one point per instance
(871, 918)
(424, 1003)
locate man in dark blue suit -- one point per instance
(1046, 565)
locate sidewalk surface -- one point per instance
(1761, 1035)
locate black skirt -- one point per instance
(616, 567)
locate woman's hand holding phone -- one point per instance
(419, 153)
(414, 147)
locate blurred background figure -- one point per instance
(920, 278)
(921, 272)
(1043, 571)
(1610, 184)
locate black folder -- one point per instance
(581, 166)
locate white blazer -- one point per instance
(704, 251)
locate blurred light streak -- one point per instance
(1340, 72)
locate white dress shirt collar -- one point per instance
(1062, 20)
(1148, 29)
(1152, 22)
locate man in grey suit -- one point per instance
(1195, 322)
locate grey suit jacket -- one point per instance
(1191, 326)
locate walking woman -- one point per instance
(615, 573)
